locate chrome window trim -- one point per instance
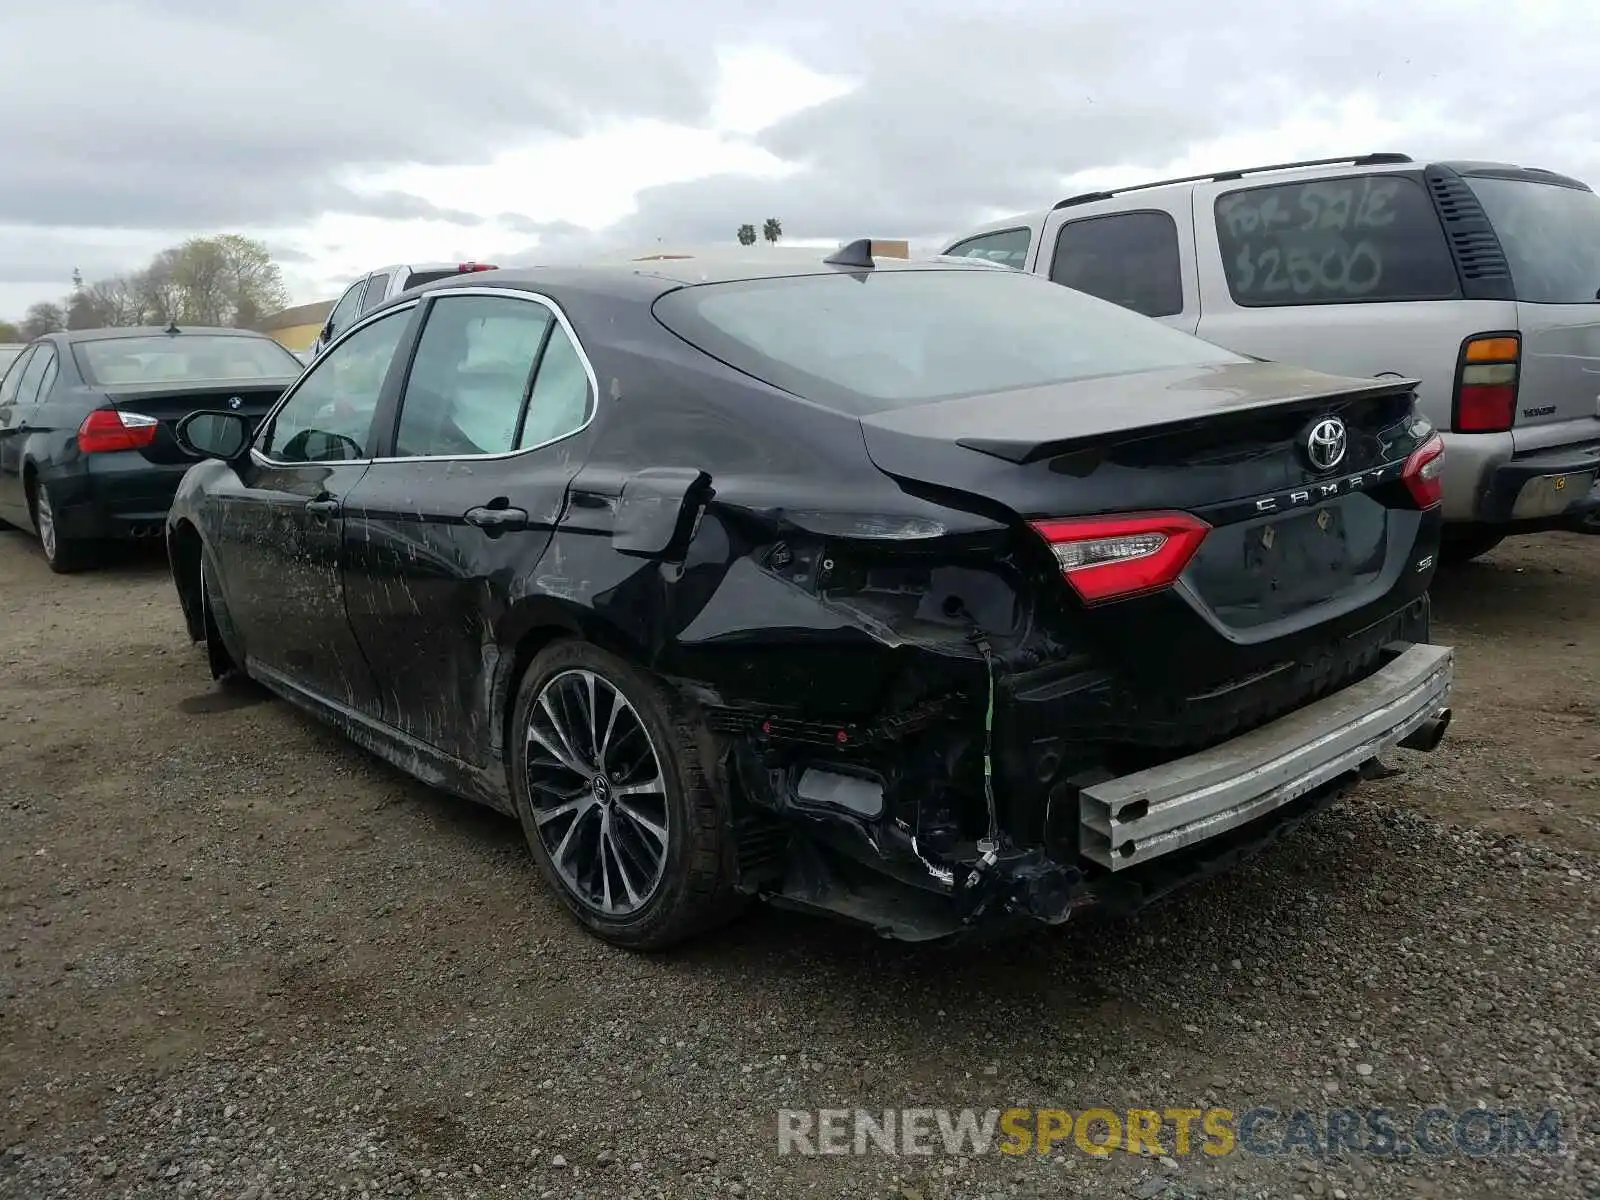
(583, 357)
(272, 413)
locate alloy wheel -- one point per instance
(597, 792)
(44, 519)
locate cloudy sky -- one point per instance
(350, 133)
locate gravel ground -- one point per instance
(240, 958)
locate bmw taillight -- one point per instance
(1109, 558)
(1486, 384)
(1424, 473)
(108, 429)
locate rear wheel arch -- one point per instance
(529, 632)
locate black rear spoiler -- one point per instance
(1026, 450)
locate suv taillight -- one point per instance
(1109, 558)
(1486, 384)
(465, 267)
(107, 429)
(1424, 473)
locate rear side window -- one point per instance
(28, 388)
(1334, 241)
(492, 374)
(8, 386)
(377, 286)
(1131, 259)
(1009, 246)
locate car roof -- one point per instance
(647, 280)
(1132, 195)
(74, 336)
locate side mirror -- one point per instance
(222, 435)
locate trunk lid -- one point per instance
(1291, 543)
(169, 403)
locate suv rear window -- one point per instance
(1334, 241)
(897, 338)
(417, 278)
(1550, 235)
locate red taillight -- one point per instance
(1107, 558)
(1486, 384)
(463, 268)
(107, 429)
(1424, 473)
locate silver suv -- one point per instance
(372, 289)
(1481, 280)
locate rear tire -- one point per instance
(608, 775)
(1461, 546)
(63, 555)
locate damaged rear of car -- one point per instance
(933, 596)
(1135, 606)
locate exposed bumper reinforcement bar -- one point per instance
(1134, 818)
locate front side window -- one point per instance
(1334, 241)
(1131, 259)
(887, 339)
(328, 417)
(471, 376)
(345, 312)
(14, 373)
(1009, 246)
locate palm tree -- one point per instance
(747, 235)
(772, 230)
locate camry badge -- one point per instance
(235, 401)
(1325, 444)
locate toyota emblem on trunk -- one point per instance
(235, 401)
(1325, 444)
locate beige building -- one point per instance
(296, 328)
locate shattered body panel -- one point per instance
(906, 700)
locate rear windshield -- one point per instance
(894, 339)
(183, 358)
(417, 278)
(1551, 237)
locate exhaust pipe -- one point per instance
(1429, 734)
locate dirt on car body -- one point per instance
(242, 958)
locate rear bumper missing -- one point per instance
(1130, 820)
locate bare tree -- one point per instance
(42, 318)
(772, 230)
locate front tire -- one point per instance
(607, 771)
(62, 554)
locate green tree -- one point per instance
(772, 230)
(42, 318)
(9, 332)
(747, 235)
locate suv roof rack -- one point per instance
(1357, 160)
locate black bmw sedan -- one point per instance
(86, 421)
(930, 595)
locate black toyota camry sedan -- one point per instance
(86, 421)
(930, 595)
